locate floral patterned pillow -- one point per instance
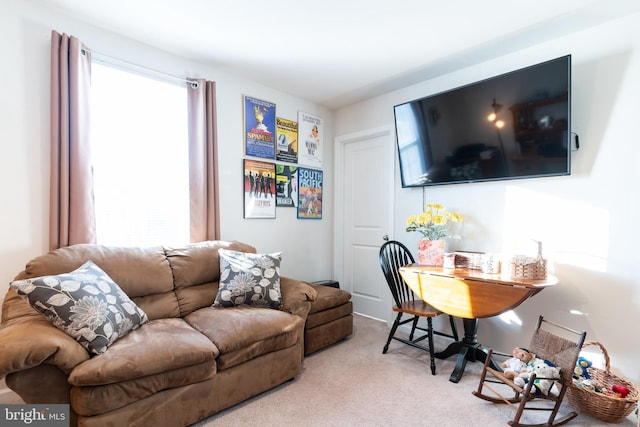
(85, 303)
(249, 279)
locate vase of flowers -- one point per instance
(434, 224)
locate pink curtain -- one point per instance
(203, 161)
(71, 205)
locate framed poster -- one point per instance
(286, 186)
(259, 189)
(259, 128)
(310, 134)
(287, 140)
(309, 193)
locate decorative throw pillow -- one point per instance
(85, 303)
(249, 279)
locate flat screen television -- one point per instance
(514, 125)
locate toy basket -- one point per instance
(602, 406)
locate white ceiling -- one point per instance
(336, 52)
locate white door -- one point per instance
(364, 188)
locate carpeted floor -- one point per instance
(353, 384)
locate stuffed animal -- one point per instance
(546, 372)
(592, 384)
(581, 372)
(517, 364)
(620, 390)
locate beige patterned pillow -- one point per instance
(85, 303)
(249, 279)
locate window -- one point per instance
(139, 139)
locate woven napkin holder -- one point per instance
(527, 267)
(533, 268)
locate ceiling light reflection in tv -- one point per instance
(515, 125)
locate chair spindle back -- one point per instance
(394, 255)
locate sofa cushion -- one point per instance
(163, 354)
(249, 279)
(85, 303)
(328, 297)
(243, 333)
(198, 263)
(196, 271)
(144, 274)
(159, 346)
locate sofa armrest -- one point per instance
(297, 296)
(30, 340)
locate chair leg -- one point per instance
(523, 402)
(453, 328)
(414, 325)
(556, 409)
(392, 333)
(431, 352)
(483, 376)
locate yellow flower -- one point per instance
(424, 218)
(434, 222)
(454, 216)
(439, 219)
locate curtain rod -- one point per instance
(110, 60)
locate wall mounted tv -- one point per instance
(515, 125)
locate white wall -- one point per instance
(587, 222)
(24, 145)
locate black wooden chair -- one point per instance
(555, 343)
(394, 255)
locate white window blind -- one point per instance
(140, 159)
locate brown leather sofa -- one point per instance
(187, 362)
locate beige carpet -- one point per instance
(353, 384)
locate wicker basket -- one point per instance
(599, 405)
(523, 267)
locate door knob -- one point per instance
(385, 238)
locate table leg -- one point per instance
(468, 350)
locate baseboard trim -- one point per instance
(370, 317)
